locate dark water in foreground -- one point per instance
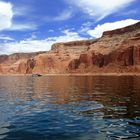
(69, 108)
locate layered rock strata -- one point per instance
(117, 51)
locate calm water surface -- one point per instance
(69, 108)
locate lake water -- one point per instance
(69, 108)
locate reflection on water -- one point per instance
(69, 108)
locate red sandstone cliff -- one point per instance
(116, 51)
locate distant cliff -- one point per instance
(117, 51)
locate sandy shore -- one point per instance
(79, 74)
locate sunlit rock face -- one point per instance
(116, 51)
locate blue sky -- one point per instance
(34, 25)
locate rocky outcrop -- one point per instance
(74, 64)
(124, 30)
(119, 48)
(30, 66)
(121, 58)
(22, 67)
(136, 57)
(116, 51)
(72, 47)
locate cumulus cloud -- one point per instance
(99, 29)
(98, 9)
(34, 45)
(6, 14)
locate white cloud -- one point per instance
(50, 30)
(22, 27)
(128, 13)
(6, 14)
(98, 9)
(6, 38)
(34, 45)
(64, 15)
(22, 10)
(99, 29)
(85, 27)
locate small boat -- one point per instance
(36, 75)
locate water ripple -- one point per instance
(77, 108)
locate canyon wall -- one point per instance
(117, 51)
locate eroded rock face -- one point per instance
(30, 66)
(136, 57)
(1, 70)
(116, 51)
(119, 48)
(123, 57)
(22, 67)
(73, 47)
(74, 64)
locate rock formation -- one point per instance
(117, 51)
